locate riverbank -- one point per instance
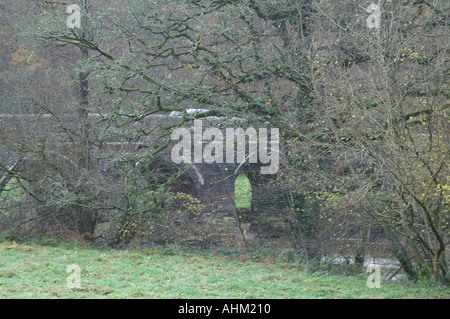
(33, 271)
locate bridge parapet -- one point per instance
(213, 183)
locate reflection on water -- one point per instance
(342, 252)
(390, 268)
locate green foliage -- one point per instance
(306, 212)
(263, 107)
(7, 236)
(330, 266)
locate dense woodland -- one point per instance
(363, 115)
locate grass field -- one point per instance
(33, 271)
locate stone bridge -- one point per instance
(212, 183)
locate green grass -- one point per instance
(33, 271)
(243, 192)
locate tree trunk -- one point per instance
(401, 254)
(361, 248)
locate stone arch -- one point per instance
(190, 179)
(192, 176)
